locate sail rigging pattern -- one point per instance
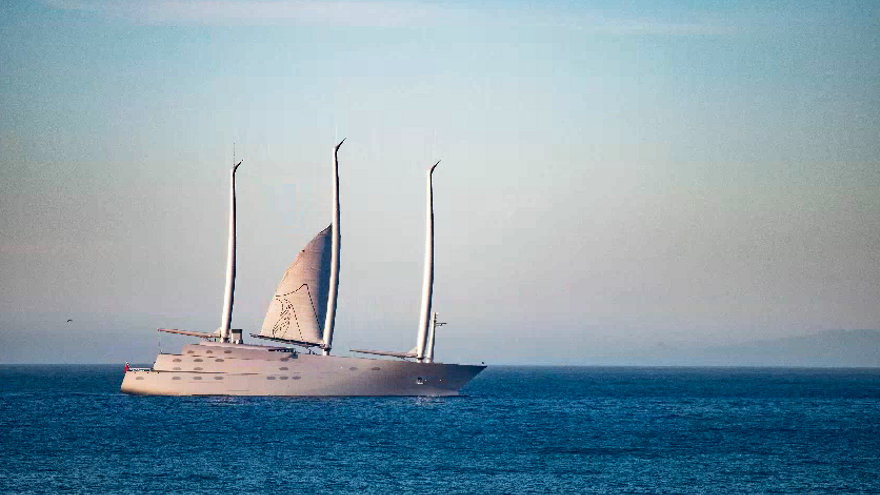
(288, 312)
(299, 305)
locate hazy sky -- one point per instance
(615, 174)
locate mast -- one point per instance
(228, 294)
(428, 278)
(432, 329)
(334, 258)
(432, 337)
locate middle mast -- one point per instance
(330, 318)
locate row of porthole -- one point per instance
(178, 360)
(198, 356)
(208, 352)
(283, 368)
(419, 380)
(198, 378)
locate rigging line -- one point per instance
(309, 293)
(312, 303)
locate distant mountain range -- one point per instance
(830, 348)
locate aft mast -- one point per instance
(228, 294)
(428, 278)
(432, 337)
(330, 318)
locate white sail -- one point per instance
(299, 307)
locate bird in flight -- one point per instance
(69, 320)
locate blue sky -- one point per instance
(615, 174)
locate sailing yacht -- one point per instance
(302, 315)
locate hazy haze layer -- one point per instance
(612, 177)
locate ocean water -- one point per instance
(517, 430)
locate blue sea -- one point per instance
(515, 430)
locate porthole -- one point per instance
(175, 378)
(285, 360)
(198, 368)
(353, 368)
(270, 378)
(198, 360)
(283, 368)
(227, 352)
(139, 378)
(218, 377)
(375, 368)
(190, 351)
(197, 378)
(209, 352)
(282, 378)
(177, 360)
(218, 360)
(176, 368)
(295, 377)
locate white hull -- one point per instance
(214, 368)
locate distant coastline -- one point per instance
(826, 349)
